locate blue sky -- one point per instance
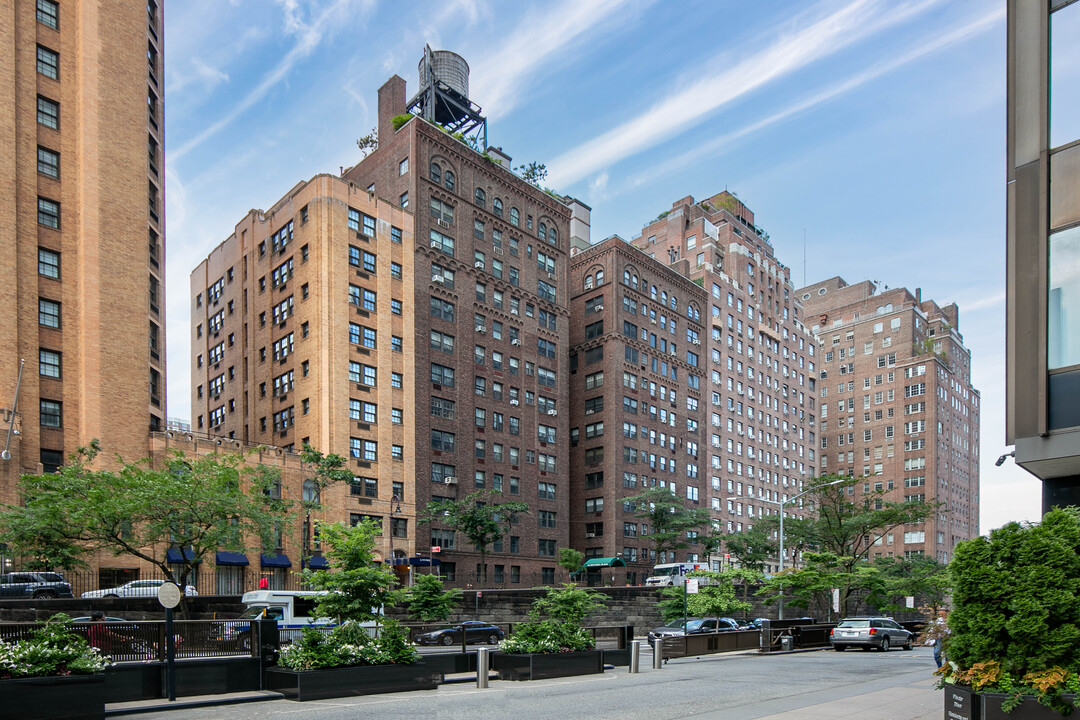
(874, 129)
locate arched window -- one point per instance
(496, 207)
(515, 217)
(652, 292)
(634, 282)
(626, 277)
(481, 197)
(674, 303)
(663, 297)
(599, 278)
(542, 232)
(588, 282)
(436, 172)
(310, 492)
(553, 237)
(449, 180)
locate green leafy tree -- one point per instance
(571, 560)
(715, 597)
(370, 142)
(325, 471)
(842, 528)
(919, 576)
(478, 517)
(358, 586)
(427, 601)
(570, 603)
(669, 519)
(200, 504)
(752, 548)
(534, 173)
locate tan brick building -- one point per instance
(898, 406)
(82, 223)
(302, 332)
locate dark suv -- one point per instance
(34, 585)
(870, 632)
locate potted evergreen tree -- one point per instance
(1014, 646)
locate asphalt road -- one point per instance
(743, 686)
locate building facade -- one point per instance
(897, 407)
(302, 332)
(82, 217)
(1043, 249)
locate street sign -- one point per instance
(436, 548)
(691, 585)
(168, 595)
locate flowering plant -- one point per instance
(561, 631)
(52, 649)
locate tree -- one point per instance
(327, 470)
(715, 597)
(477, 516)
(370, 142)
(198, 505)
(843, 529)
(571, 560)
(534, 173)
(669, 519)
(427, 601)
(899, 577)
(357, 587)
(752, 548)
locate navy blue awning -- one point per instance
(225, 557)
(173, 555)
(318, 562)
(424, 562)
(281, 561)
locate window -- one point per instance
(48, 162)
(397, 380)
(48, 113)
(594, 505)
(546, 548)
(403, 166)
(49, 363)
(48, 263)
(51, 414)
(442, 243)
(48, 63)
(48, 213)
(48, 313)
(48, 13)
(442, 375)
(481, 197)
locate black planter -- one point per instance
(962, 703)
(347, 681)
(71, 697)
(543, 666)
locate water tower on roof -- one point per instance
(443, 97)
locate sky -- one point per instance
(867, 136)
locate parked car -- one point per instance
(694, 626)
(107, 618)
(870, 632)
(34, 585)
(135, 588)
(475, 632)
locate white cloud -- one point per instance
(499, 78)
(691, 105)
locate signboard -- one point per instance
(691, 585)
(436, 548)
(836, 600)
(909, 601)
(168, 595)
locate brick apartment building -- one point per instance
(82, 217)
(428, 347)
(301, 332)
(719, 331)
(898, 406)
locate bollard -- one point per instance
(483, 662)
(658, 654)
(635, 655)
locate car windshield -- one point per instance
(256, 611)
(853, 624)
(677, 623)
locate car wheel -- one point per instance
(884, 644)
(448, 640)
(839, 648)
(493, 639)
(111, 595)
(910, 644)
(44, 595)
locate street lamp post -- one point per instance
(781, 504)
(395, 508)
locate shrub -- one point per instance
(1015, 623)
(347, 645)
(427, 601)
(52, 649)
(400, 120)
(560, 632)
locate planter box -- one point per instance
(71, 697)
(543, 666)
(347, 681)
(961, 703)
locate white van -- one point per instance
(672, 573)
(293, 610)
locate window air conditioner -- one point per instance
(450, 480)
(434, 243)
(515, 403)
(552, 412)
(480, 329)
(598, 308)
(515, 341)
(437, 279)
(590, 535)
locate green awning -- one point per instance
(604, 562)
